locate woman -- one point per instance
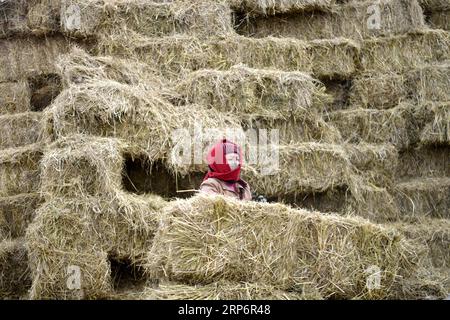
(223, 177)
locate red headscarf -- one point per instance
(217, 161)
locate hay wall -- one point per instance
(348, 20)
(440, 20)
(363, 127)
(14, 97)
(19, 170)
(15, 279)
(22, 58)
(295, 256)
(152, 19)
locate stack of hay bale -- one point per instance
(26, 65)
(87, 87)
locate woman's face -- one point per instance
(233, 160)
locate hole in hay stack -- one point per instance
(239, 20)
(427, 17)
(140, 176)
(339, 89)
(125, 275)
(333, 200)
(44, 88)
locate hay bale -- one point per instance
(398, 126)
(78, 66)
(149, 18)
(424, 161)
(435, 5)
(13, 17)
(374, 203)
(312, 128)
(14, 273)
(61, 237)
(437, 130)
(221, 290)
(87, 232)
(440, 20)
(429, 82)
(82, 165)
(19, 170)
(349, 20)
(377, 163)
(22, 58)
(109, 108)
(404, 52)
(43, 16)
(424, 197)
(25, 17)
(127, 225)
(426, 83)
(271, 7)
(334, 58)
(20, 129)
(301, 167)
(255, 93)
(379, 91)
(177, 56)
(14, 97)
(434, 234)
(211, 238)
(112, 109)
(16, 213)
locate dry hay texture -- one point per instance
(348, 20)
(205, 239)
(77, 102)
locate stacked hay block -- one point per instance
(26, 62)
(362, 112)
(437, 13)
(86, 221)
(207, 239)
